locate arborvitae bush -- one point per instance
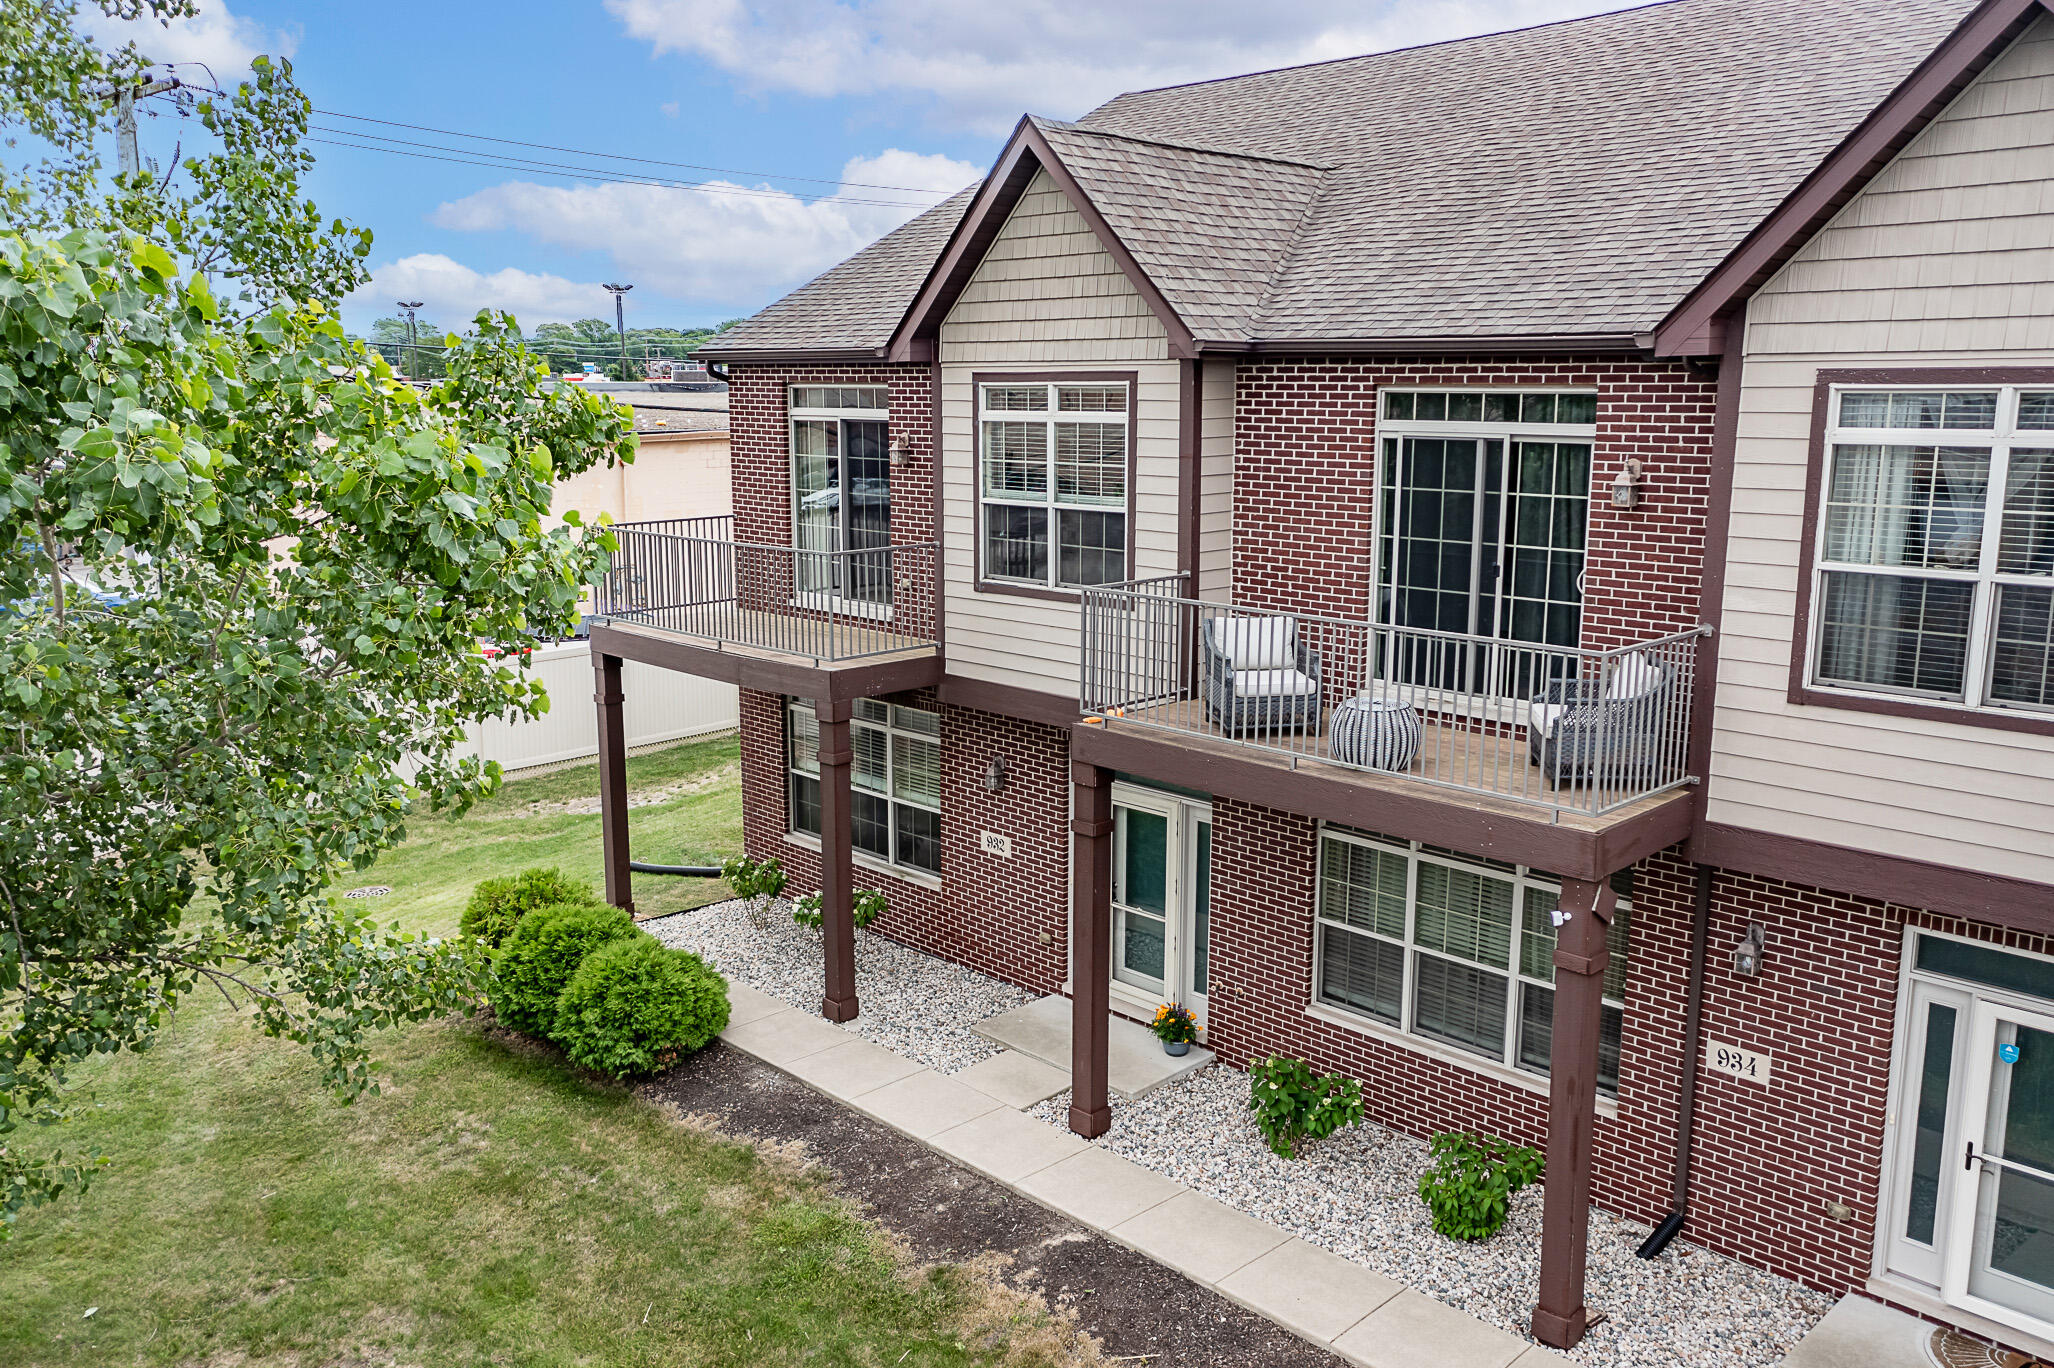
(497, 905)
(542, 954)
(636, 1006)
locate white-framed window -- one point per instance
(1451, 948)
(1053, 462)
(1933, 567)
(1482, 515)
(841, 491)
(895, 780)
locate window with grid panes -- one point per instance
(1052, 482)
(1934, 565)
(1452, 949)
(895, 780)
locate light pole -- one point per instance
(620, 321)
(409, 305)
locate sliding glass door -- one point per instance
(841, 487)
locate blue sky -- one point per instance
(914, 95)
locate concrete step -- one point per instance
(1135, 1062)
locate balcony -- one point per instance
(1430, 732)
(684, 594)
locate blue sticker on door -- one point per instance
(2008, 1053)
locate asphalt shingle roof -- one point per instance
(1574, 179)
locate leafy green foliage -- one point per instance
(750, 877)
(1292, 1104)
(538, 959)
(865, 906)
(497, 905)
(1173, 1023)
(244, 577)
(636, 1006)
(1468, 1187)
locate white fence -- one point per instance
(661, 705)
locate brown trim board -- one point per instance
(2019, 904)
(797, 678)
(1008, 700)
(1800, 690)
(1452, 821)
(934, 472)
(1957, 61)
(978, 380)
(1711, 593)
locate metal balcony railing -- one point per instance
(1565, 729)
(690, 576)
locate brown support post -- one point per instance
(1580, 960)
(1091, 946)
(613, 782)
(837, 875)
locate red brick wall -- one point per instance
(1305, 478)
(759, 440)
(990, 913)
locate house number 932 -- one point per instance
(1731, 1059)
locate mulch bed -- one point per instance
(949, 1214)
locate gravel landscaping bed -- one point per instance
(1356, 1194)
(912, 1003)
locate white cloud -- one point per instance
(669, 108)
(224, 41)
(987, 64)
(714, 246)
(452, 293)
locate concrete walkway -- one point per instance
(1135, 1062)
(1365, 1318)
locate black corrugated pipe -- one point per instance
(684, 871)
(1686, 1098)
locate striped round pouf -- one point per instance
(1376, 733)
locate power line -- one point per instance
(464, 157)
(613, 156)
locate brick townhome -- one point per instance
(1521, 570)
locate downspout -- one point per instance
(1686, 1097)
(718, 370)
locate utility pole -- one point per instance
(620, 321)
(409, 305)
(125, 119)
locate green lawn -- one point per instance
(490, 1207)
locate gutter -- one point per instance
(1693, 1047)
(1415, 346)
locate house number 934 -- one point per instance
(1731, 1059)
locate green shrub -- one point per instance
(635, 1006)
(1469, 1186)
(543, 952)
(865, 906)
(497, 905)
(755, 882)
(1292, 1104)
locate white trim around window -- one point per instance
(1055, 475)
(1448, 955)
(1932, 560)
(895, 784)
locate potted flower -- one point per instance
(1175, 1027)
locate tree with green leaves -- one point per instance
(245, 575)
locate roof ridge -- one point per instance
(1387, 52)
(1074, 125)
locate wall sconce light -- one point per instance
(995, 775)
(1747, 959)
(897, 449)
(1627, 484)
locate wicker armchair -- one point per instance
(1259, 675)
(1609, 730)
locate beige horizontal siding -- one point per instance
(1048, 297)
(1946, 259)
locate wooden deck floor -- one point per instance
(1487, 770)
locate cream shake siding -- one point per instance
(1946, 259)
(1047, 297)
(1216, 481)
